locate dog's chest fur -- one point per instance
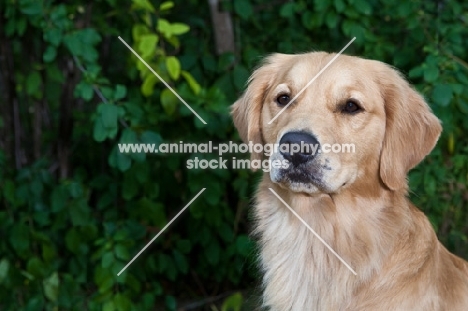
(300, 273)
(297, 266)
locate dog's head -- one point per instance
(358, 120)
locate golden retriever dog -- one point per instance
(356, 201)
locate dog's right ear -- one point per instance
(411, 130)
(247, 110)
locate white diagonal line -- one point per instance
(313, 79)
(312, 230)
(160, 232)
(159, 77)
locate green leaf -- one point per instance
(142, 171)
(164, 27)
(51, 287)
(27, 275)
(171, 303)
(99, 131)
(10, 27)
(241, 74)
(73, 43)
(353, 29)
(109, 306)
(73, 240)
(169, 101)
(58, 198)
(139, 30)
(226, 233)
(59, 13)
(415, 72)
(363, 6)
(331, 19)
(104, 279)
(287, 10)
(123, 162)
(166, 5)
(212, 252)
(147, 87)
(31, 7)
(19, 238)
(4, 268)
(225, 62)
(143, 4)
(107, 260)
(150, 137)
(9, 191)
(233, 303)
(35, 267)
(321, 6)
(81, 43)
(121, 252)
(163, 262)
(404, 9)
(21, 26)
(122, 302)
(84, 90)
(33, 83)
(442, 94)
(120, 91)
(209, 63)
(129, 187)
(147, 45)
(75, 189)
(53, 36)
(339, 5)
(173, 67)
(196, 88)
(129, 136)
(178, 28)
(79, 213)
(243, 245)
(431, 73)
(171, 271)
(457, 88)
(430, 183)
(212, 197)
(48, 253)
(243, 8)
(180, 261)
(49, 54)
(109, 114)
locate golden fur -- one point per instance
(358, 203)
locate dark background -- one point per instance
(74, 211)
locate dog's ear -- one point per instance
(411, 129)
(247, 110)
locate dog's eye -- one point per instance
(351, 107)
(283, 100)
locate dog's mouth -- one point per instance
(304, 177)
(304, 171)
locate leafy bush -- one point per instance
(76, 211)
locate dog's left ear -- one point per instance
(247, 110)
(246, 113)
(411, 130)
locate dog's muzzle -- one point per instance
(298, 147)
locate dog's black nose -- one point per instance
(298, 147)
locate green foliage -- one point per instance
(233, 303)
(76, 210)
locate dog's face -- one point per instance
(359, 120)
